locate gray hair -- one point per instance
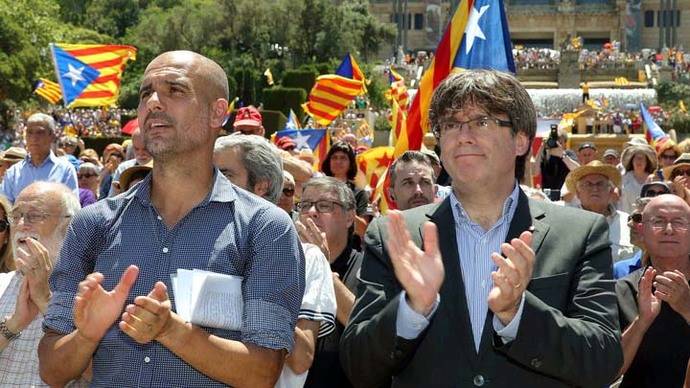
(68, 200)
(494, 91)
(90, 167)
(260, 159)
(335, 186)
(42, 118)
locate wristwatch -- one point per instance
(7, 333)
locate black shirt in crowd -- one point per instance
(326, 370)
(663, 355)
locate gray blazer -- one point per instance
(568, 335)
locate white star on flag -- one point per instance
(301, 141)
(74, 74)
(472, 30)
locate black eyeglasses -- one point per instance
(654, 193)
(475, 125)
(288, 192)
(79, 176)
(669, 157)
(4, 226)
(322, 206)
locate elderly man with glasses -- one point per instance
(326, 219)
(39, 219)
(595, 185)
(654, 301)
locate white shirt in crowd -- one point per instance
(318, 304)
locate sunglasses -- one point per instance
(4, 226)
(79, 176)
(288, 192)
(670, 157)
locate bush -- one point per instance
(680, 121)
(303, 79)
(273, 121)
(382, 124)
(284, 99)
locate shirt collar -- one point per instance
(51, 157)
(509, 206)
(221, 191)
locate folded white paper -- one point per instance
(208, 299)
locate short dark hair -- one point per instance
(408, 157)
(495, 91)
(344, 147)
(332, 185)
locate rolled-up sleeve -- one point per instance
(274, 281)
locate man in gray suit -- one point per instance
(458, 313)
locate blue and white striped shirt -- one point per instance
(231, 232)
(475, 246)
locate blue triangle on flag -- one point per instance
(304, 138)
(345, 69)
(73, 74)
(486, 41)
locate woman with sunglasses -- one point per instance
(89, 181)
(6, 257)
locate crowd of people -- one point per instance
(478, 278)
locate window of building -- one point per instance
(649, 19)
(418, 21)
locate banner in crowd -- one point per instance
(317, 140)
(49, 90)
(332, 93)
(90, 74)
(653, 132)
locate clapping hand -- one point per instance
(512, 276)
(148, 317)
(420, 272)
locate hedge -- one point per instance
(283, 99)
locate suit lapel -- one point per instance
(453, 288)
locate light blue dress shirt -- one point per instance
(24, 173)
(475, 246)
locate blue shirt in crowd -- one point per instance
(231, 232)
(24, 173)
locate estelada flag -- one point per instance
(477, 37)
(90, 74)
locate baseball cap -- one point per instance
(587, 145)
(248, 115)
(610, 152)
(285, 143)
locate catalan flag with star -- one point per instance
(332, 93)
(90, 74)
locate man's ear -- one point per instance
(218, 109)
(522, 143)
(390, 193)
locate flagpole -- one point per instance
(57, 74)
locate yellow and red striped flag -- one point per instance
(49, 90)
(332, 93)
(397, 90)
(90, 74)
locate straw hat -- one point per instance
(682, 161)
(131, 172)
(13, 154)
(645, 149)
(593, 167)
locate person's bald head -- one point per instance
(664, 226)
(213, 77)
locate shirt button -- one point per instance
(147, 359)
(478, 380)
(159, 218)
(536, 363)
(165, 249)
